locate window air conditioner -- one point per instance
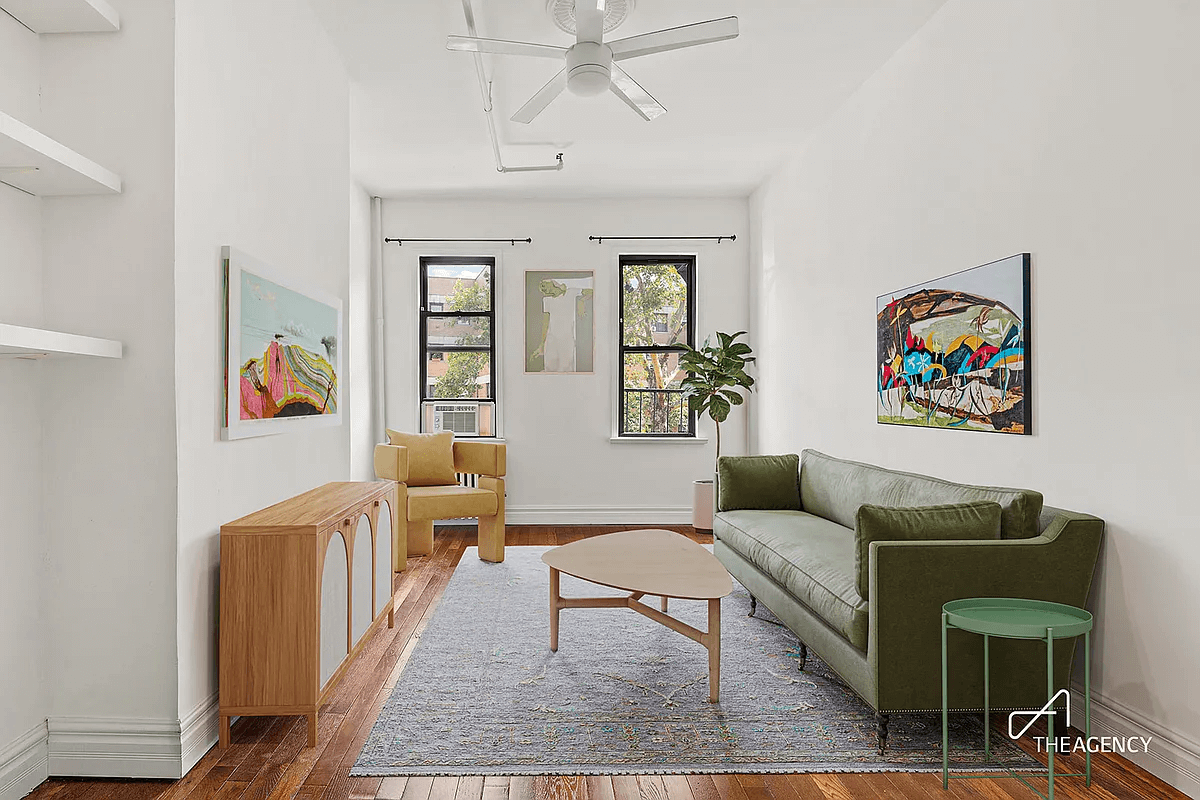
(462, 418)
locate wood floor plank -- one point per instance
(753, 787)
(832, 788)
(469, 788)
(599, 787)
(444, 788)
(417, 789)
(728, 787)
(804, 786)
(391, 789)
(520, 787)
(677, 787)
(625, 787)
(650, 787)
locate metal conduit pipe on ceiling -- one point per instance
(485, 90)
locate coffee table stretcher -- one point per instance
(710, 639)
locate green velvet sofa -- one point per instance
(801, 565)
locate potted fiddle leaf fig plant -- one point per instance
(714, 384)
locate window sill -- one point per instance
(659, 439)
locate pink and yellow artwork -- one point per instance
(283, 364)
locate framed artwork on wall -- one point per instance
(955, 352)
(560, 321)
(283, 361)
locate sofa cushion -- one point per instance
(834, 489)
(770, 483)
(978, 520)
(812, 558)
(450, 502)
(430, 457)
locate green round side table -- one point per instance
(1014, 618)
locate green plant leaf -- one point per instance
(734, 398)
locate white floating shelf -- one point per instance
(64, 16)
(20, 342)
(32, 161)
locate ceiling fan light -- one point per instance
(589, 69)
(589, 80)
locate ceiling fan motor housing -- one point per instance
(589, 68)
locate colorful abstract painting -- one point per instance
(954, 352)
(282, 350)
(559, 321)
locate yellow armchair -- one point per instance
(418, 506)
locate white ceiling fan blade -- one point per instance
(471, 44)
(714, 30)
(537, 104)
(589, 21)
(634, 95)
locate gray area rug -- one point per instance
(482, 694)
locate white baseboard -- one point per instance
(598, 515)
(198, 732)
(1170, 756)
(24, 763)
(114, 747)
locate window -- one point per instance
(657, 313)
(457, 348)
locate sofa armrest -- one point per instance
(910, 581)
(480, 458)
(391, 463)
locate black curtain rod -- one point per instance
(513, 242)
(732, 238)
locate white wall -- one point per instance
(24, 700)
(263, 165)
(109, 479)
(361, 331)
(562, 468)
(1068, 130)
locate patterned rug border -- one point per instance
(707, 769)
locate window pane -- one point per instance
(458, 375)
(653, 402)
(465, 419)
(653, 371)
(459, 287)
(655, 412)
(457, 331)
(655, 304)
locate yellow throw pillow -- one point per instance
(430, 457)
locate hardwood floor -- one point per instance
(268, 757)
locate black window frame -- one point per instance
(424, 348)
(688, 262)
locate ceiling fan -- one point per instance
(591, 63)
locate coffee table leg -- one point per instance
(554, 598)
(714, 649)
(664, 602)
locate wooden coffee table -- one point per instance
(646, 562)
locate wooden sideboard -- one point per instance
(303, 583)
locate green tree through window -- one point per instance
(463, 369)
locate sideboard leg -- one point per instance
(223, 732)
(312, 729)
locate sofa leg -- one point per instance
(881, 731)
(753, 606)
(803, 656)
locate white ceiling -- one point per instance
(735, 107)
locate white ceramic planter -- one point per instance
(702, 505)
